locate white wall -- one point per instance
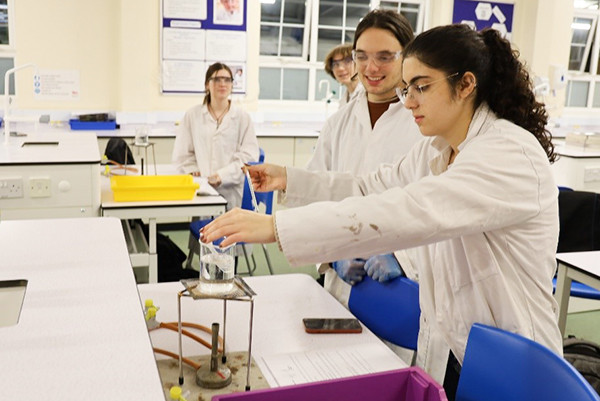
(115, 46)
(541, 33)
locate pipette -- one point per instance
(254, 203)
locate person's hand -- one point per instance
(214, 180)
(351, 271)
(267, 177)
(240, 225)
(383, 267)
(196, 174)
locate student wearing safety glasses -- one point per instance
(215, 138)
(340, 66)
(476, 198)
(373, 128)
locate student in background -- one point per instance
(476, 197)
(340, 66)
(216, 138)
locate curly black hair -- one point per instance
(502, 80)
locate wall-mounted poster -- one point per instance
(485, 14)
(228, 12)
(198, 33)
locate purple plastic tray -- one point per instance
(411, 384)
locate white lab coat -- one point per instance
(347, 143)
(201, 146)
(486, 228)
(348, 97)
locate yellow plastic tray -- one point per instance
(134, 188)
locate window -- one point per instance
(584, 81)
(296, 35)
(7, 53)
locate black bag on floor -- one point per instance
(170, 261)
(585, 357)
(170, 258)
(116, 150)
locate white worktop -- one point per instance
(50, 147)
(308, 129)
(281, 303)
(81, 334)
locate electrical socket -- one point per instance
(591, 174)
(40, 187)
(11, 187)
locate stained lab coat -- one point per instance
(347, 143)
(201, 146)
(486, 228)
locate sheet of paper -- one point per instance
(205, 188)
(327, 364)
(183, 75)
(186, 9)
(183, 44)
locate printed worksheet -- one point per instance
(327, 364)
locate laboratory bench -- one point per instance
(206, 202)
(279, 341)
(285, 143)
(73, 326)
(78, 329)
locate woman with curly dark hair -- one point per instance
(476, 198)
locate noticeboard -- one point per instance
(198, 33)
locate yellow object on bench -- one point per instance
(153, 187)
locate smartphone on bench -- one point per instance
(331, 325)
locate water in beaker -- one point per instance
(217, 268)
(141, 136)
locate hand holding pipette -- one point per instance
(267, 177)
(254, 202)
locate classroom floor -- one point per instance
(583, 320)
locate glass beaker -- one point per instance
(141, 136)
(217, 268)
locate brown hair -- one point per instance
(341, 50)
(209, 73)
(388, 20)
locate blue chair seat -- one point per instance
(390, 310)
(580, 290)
(501, 366)
(197, 225)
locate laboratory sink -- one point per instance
(12, 293)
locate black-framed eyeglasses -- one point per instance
(221, 80)
(415, 91)
(340, 63)
(379, 58)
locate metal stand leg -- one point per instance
(179, 331)
(264, 247)
(249, 346)
(252, 269)
(224, 356)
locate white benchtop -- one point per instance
(81, 334)
(292, 129)
(281, 303)
(50, 147)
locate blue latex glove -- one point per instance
(351, 271)
(383, 267)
